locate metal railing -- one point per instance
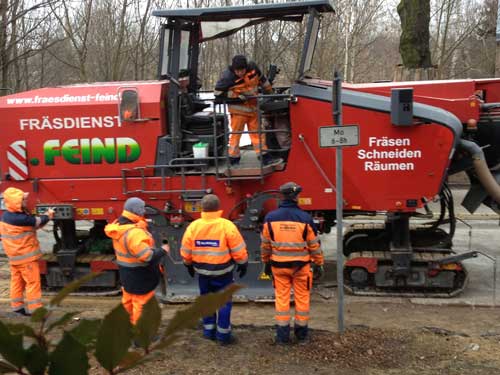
(184, 166)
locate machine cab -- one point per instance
(195, 119)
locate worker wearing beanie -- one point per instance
(210, 247)
(18, 233)
(289, 243)
(240, 80)
(138, 260)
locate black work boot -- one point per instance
(231, 340)
(22, 312)
(282, 335)
(301, 334)
(235, 162)
(268, 160)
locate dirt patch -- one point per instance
(359, 351)
(382, 338)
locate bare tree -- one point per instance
(75, 22)
(19, 27)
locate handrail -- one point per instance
(316, 163)
(182, 163)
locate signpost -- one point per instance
(339, 136)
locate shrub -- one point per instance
(109, 340)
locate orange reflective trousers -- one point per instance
(300, 278)
(25, 278)
(238, 122)
(134, 303)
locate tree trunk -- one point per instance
(414, 42)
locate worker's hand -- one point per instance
(219, 99)
(166, 248)
(242, 97)
(268, 270)
(318, 271)
(242, 269)
(50, 213)
(190, 269)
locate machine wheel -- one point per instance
(359, 277)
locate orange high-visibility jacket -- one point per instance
(135, 253)
(213, 244)
(289, 237)
(133, 244)
(248, 85)
(18, 229)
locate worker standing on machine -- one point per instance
(289, 243)
(138, 260)
(210, 247)
(20, 243)
(239, 81)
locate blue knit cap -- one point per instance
(135, 205)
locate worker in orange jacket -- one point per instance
(289, 243)
(242, 79)
(138, 260)
(18, 232)
(210, 247)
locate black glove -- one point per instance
(190, 269)
(268, 270)
(242, 269)
(219, 99)
(318, 271)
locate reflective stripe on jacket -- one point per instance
(289, 236)
(18, 229)
(20, 243)
(213, 244)
(133, 244)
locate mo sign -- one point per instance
(335, 136)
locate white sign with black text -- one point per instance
(335, 136)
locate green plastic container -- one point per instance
(200, 150)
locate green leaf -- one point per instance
(114, 338)
(21, 329)
(130, 360)
(7, 368)
(86, 331)
(11, 347)
(38, 360)
(39, 315)
(69, 357)
(149, 323)
(62, 320)
(204, 305)
(71, 287)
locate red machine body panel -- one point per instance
(460, 97)
(391, 169)
(75, 131)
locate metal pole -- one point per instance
(337, 114)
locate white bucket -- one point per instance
(200, 150)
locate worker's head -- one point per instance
(290, 190)
(210, 203)
(15, 199)
(136, 206)
(239, 65)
